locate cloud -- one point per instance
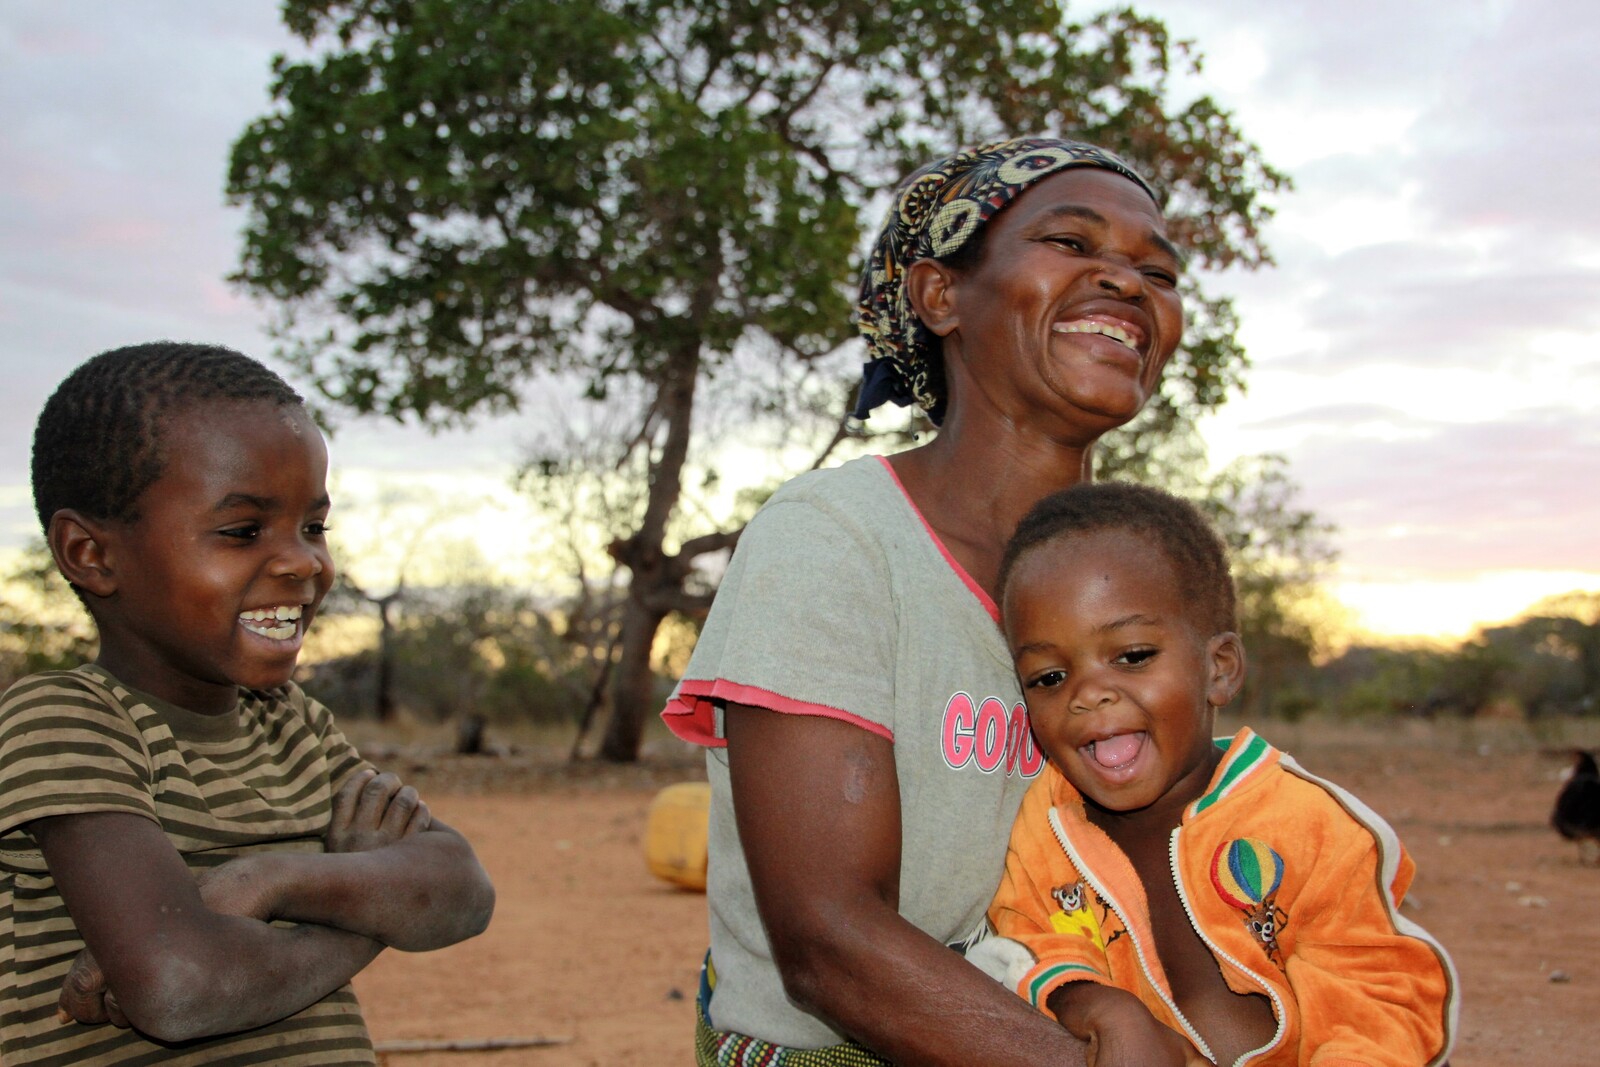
(1479, 496)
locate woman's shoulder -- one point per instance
(854, 504)
(865, 477)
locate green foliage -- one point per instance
(477, 649)
(1545, 664)
(42, 625)
(453, 194)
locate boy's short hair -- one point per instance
(1189, 541)
(97, 445)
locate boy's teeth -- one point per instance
(284, 613)
(278, 623)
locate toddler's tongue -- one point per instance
(1115, 751)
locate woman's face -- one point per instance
(1073, 309)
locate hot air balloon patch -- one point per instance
(1247, 873)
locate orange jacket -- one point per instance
(1293, 883)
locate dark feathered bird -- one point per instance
(1577, 814)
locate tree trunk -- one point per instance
(633, 684)
(385, 694)
(652, 578)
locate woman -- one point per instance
(867, 742)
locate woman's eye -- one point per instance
(1161, 276)
(1076, 244)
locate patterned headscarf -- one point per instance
(935, 212)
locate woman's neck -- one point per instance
(973, 489)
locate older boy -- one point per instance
(193, 860)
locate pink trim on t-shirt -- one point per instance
(691, 713)
(961, 572)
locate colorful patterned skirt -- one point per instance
(723, 1048)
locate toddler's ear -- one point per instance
(1226, 654)
(78, 544)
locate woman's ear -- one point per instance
(930, 286)
(79, 544)
(1225, 653)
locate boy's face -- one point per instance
(1121, 683)
(218, 578)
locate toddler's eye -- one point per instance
(1048, 680)
(1137, 656)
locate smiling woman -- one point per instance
(867, 744)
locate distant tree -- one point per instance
(42, 625)
(1280, 552)
(1550, 656)
(451, 197)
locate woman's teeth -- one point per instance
(280, 623)
(1116, 333)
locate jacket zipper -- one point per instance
(1183, 898)
(1138, 949)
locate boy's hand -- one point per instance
(372, 810)
(233, 888)
(85, 998)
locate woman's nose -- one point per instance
(1121, 279)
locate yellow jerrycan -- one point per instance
(676, 830)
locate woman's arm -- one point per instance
(175, 969)
(818, 809)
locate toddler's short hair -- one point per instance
(1176, 526)
(97, 445)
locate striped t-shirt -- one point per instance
(218, 785)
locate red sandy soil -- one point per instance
(588, 948)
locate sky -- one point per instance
(1424, 350)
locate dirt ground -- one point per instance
(588, 950)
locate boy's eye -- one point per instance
(1137, 656)
(317, 529)
(247, 532)
(1048, 679)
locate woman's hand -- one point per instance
(1120, 1030)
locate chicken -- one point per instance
(1577, 813)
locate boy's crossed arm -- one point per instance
(179, 958)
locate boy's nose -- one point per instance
(300, 562)
(1092, 696)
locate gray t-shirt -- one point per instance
(841, 601)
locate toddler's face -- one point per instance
(1120, 683)
(225, 566)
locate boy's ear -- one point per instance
(78, 544)
(1225, 652)
(930, 286)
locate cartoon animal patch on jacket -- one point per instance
(1247, 873)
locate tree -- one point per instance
(1279, 552)
(42, 627)
(452, 197)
